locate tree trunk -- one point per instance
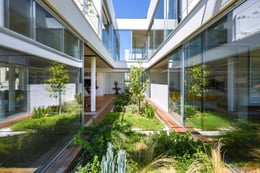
(59, 102)
(139, 106)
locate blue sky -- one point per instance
(131, 8)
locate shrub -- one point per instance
(72, 107)
(124, 96)
(148, 110)
(239, 143)
(117, 108)
(189, 111)
(40, 112)
(177, 145)
(119, 104)
(119, 101)
(93, 167)
(132, 108)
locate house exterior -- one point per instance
(220, 38)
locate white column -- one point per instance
(93, 84)
(2, 16)
(230, 83)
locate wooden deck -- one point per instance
(103, 105)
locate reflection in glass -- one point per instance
(19, 16)
(71, 44)
(48, 30)
(217, 34)
(175, 85)
(13, 96)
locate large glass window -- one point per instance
(176, 84)
(220, 77)
(171, 20)
(106, 36)
(217, 34)
(39, 138)
(172, 9)
(125, 38)
(13, 88)
(116, 44)
(18, 16)
(195, 47)
(48, 30)
(165, 20)
(132, 44)
(71, 44)
(159, 14)
(254, 77)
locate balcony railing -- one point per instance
(88, 9)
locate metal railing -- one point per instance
(88, 9)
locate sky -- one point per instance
(131, 8)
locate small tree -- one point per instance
(138, 84)
(59, 76)
(199, 80)
(197, 87)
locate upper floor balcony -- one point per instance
(89, 10)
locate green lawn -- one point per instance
(211, 120)
(143, 123)
(44, 122)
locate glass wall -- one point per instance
(48, 30)
(110, 37)
(41, 26)
(106, 36)
(116, 43)
(125, 39)
(164, 22)
(172, 12)
(176, 89)
(71, 44)
(37, 140)
(132, 44)
(220, 75)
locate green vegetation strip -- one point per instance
(143, 123)
(44, 122)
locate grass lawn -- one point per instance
(44, 122)
(211, 120)
(142, 122)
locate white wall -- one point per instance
(101, 84)
(39, 96)
(110, 78)
(159, 94)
